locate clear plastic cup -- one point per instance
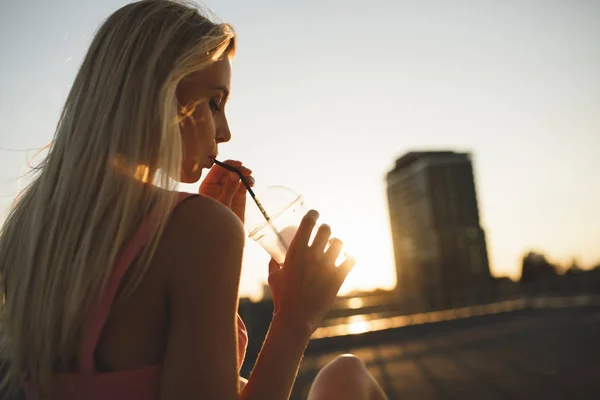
(286, 210)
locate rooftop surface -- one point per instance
(522, 354)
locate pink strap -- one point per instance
(95, 323)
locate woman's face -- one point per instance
(202, 97)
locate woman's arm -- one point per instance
(303, 290)
(204, 270)
(207, 243)
(275, 371)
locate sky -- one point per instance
(327, 94)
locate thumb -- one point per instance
(273, 266)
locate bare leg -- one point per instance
(345, 378)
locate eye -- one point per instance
(215, 105)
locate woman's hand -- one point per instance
(306, 285)
(226, 187)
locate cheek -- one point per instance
(197, 131)
(187, 140)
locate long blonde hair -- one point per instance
(63, 233)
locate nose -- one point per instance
(223, 132)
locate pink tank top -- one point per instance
(137, 384)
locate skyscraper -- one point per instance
(439, 245)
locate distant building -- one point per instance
(439, 246)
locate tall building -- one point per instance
(439, 246)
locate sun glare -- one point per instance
(355, 302)
(374, 267)
(357, 325)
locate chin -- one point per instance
(190, 177)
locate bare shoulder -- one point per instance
(202, 232)
(202, 253)
(202, 215)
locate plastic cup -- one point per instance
(276, 235)
(286, 210)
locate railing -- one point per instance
(391, 311)
(362, 323)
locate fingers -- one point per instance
(233, 163)
(237, 165)
(240, 195)
(321, 238)
(218, 173)
(213, 191)
(273, 266)
(333, 252)
(300, 240)
(220, 180)
(245, 171)
(231, 183)
(344, 269)
(230, 188)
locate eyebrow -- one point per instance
(224, 90)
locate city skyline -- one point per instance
(514, 83)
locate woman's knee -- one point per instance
(346, 377)
(346, 367)
(348, 364)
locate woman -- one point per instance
(116, 286)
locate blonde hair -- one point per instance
(65, 229)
